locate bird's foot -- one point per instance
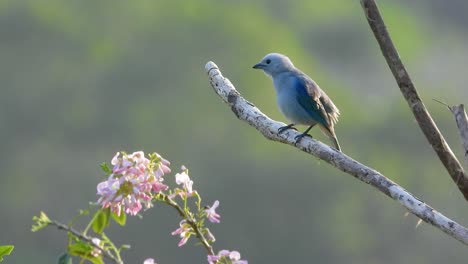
(284, 128)
(299, 137)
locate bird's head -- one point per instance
(274, 63)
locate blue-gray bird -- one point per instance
(299, 98)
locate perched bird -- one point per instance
(299, 98)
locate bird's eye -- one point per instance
(268, 61)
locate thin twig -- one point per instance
(407, 88)
(462, 123)
(247, 112)
(85, 238)
(461, 119)
(442, 103)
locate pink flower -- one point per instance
(209, 236)
(139, 157)
(158, 186)
(211, 213)
(131, 204)
(212, 259)
(149, 261)
(184, 231)
(184, 180)
(96, 251)
(134, 181)
(115, 160)
(164, 164)
(232, 256)
(107, 189)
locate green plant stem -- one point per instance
(169, 201)
(113, 247)
(85, 238)
(91, 222)
(81, 214)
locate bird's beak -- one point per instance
(259, 66)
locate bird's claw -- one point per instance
(299, 137)
(284, 128)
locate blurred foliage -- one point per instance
(84, 79)
(5, 250)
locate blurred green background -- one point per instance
(81, 80)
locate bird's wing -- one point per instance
(308, 96)
(311, 95)
(332, 111)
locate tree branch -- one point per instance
(410, 93)
(462, 123)
(246, 111)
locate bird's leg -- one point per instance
(284, 128)
(299, 137)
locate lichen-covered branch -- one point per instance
(462, 123)
(247, 112)
(407, 88)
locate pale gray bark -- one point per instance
(462, 123)
(409, 92)
(246, 111)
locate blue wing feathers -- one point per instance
(308, 103)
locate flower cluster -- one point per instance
(226, 256)
(133, 181)
(185, 229)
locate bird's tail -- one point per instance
(335, 141)
(330, 132)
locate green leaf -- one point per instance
(83, 250)
(106, 168)
(122, 247)
(95, 260)
(101, 220)
(80, 249)
(65, 259)
(120, 219)
(5, 251)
